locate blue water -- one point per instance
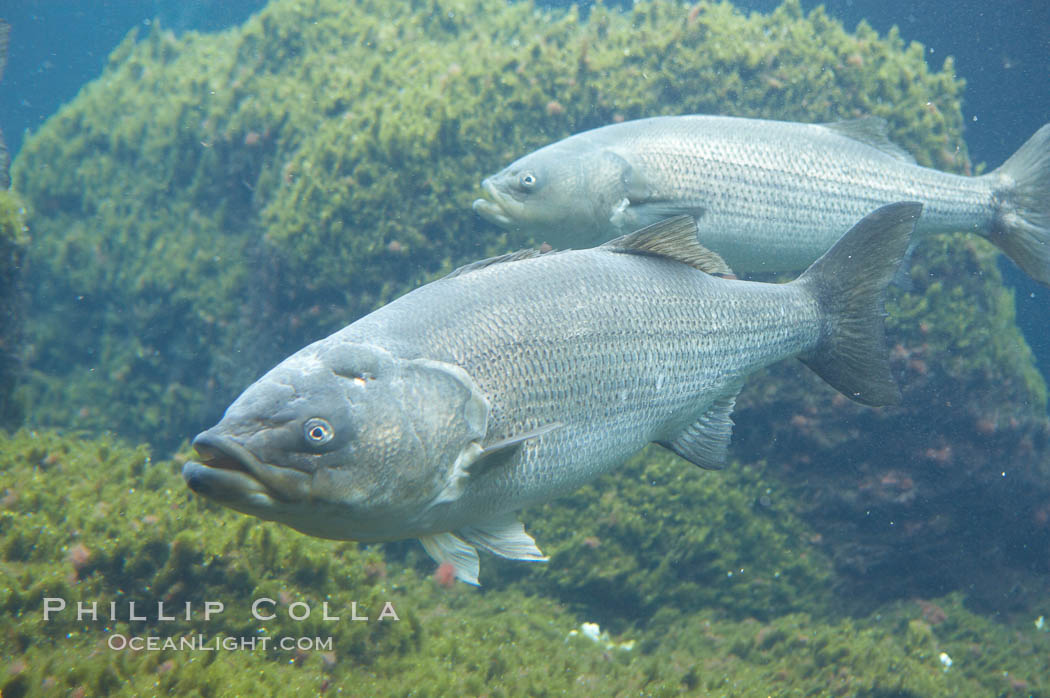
(1001, 49)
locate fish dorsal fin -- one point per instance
(482, 263)
(445, 547)
(504, 535)
(871, 130)
(705, 442)
(674, 238)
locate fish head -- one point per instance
(343, 441)
(566, 194)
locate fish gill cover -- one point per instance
(213, 202)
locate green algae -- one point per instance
(961, 307)
(13, 241)
(264, 186)
(122, 528)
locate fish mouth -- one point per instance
(496, 210)
(231, 474)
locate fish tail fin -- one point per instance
(1022, 223)
(849, 282)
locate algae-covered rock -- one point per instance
(97, 522)
(212, 202)
(662, 534)
(13, 241)
(952, 487)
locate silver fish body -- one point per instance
(773, 195)
(518, 379)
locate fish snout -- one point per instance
(494, 208)
(196, 477)
(215, 451)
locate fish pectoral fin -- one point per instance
(505, 536)
(445, 547)
(636, 185)
(655, 210)
(502, 451)
(659, 209)
(515, 441)
(705, 442)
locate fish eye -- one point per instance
(527, 180)
(318, 431)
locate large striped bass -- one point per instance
(773, 195)
(517, 379)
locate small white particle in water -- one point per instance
(945, 660)
(1040, 623)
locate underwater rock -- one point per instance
(953, 486)
(269, 184)
(13, 241)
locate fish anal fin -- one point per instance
(871, 130)
(505, 536)
(705, 442)
(445, 547)
(674, 239)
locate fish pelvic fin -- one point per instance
(445, 547)
(849, 282)
(505, 536)
(1022, 222)
(501, 535)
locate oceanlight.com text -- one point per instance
(200, 643)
